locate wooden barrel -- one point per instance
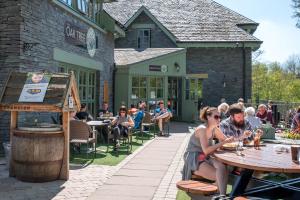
(37, 155)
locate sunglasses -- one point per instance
(217, 117)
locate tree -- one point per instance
(296, 6)
(293, 64)
(273, 81)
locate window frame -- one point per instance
(141, 38)
(67, 2)
(83, 4)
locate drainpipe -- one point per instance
(244, 71)
(113, 86)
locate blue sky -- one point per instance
(277, 27)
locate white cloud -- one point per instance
(279, 40)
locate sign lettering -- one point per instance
(75, 35)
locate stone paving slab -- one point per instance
(139, 173)
(133, 181)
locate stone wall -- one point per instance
(41, 22)
(10, 47)
(221, 64)
(158, 38)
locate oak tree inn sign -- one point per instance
(81, 37)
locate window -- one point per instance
(156, 88)
(86, 81)
(139, 85)
(82, 5)
(143, 38)
(187, 89)
(68, 2)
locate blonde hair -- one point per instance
(223, 107)
(207, 111)
(262, 105)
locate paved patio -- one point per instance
(149, 173)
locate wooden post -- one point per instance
(64, 173)
(13, 126)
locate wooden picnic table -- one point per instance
(265, 159)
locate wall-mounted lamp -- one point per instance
(224, 83)
(177, 66)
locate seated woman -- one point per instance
(296, 122)
(254, 121)
(139, 115)
(264, 114)
(197, 159)
(121, 124)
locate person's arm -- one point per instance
(219, 134)
(130, 122)
(204, 142)
(114, 121)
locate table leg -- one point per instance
(241, 183)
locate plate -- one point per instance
(230, 146)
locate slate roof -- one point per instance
(131, 56)
(188, 20)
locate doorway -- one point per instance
(192, 99)
(174, 96)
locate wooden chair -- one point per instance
(147, 123)
(81, 133)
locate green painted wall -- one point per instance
(124, 75)
(169, 60)
(121, 89)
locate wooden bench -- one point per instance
(197, 187)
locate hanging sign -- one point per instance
(35, 87)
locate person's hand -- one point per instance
(247, 133)
(259, 132)
(229, 140)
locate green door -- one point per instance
(192, 99)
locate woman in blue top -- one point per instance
(139, 116)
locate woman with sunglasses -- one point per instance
(121, 124)
(197, 159)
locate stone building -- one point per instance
(218, 43)
(59, 36)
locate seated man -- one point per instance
(236, 125)
(104, 130)
(83, 114)
(162, 115)
(105, 110)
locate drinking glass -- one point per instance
(239, 146)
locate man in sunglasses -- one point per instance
(236, 125)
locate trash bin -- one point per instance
(7, 151)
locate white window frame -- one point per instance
(82, 6)
(141, 44)
(67, 2)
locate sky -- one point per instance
(276, 27)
